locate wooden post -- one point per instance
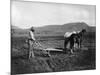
(31, 52)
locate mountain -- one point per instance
(18, 30)
(56, 29)
(51, 28)
(14, 27)
(77, 26)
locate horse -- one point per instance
(73, 38)
(80, 37)
(69, 37)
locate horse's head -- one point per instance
(83, 30)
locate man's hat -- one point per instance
(32, 29)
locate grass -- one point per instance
(59, 61)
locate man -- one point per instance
(31, 41)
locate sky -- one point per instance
(25, 14)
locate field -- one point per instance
(80, 60)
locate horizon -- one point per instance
(53, 25)
(25, 14)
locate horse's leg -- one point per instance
(71, 51)
(65, 43)
(80, 42)
(71, 45)
(74, 42)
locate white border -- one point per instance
(5, 36)
(90, 2)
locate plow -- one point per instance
(42, 48)
(46, 49)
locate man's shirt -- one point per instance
(31, 35)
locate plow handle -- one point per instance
(38, 44)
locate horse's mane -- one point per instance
(82, 32)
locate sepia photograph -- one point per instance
(51, 37)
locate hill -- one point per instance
(55, 30)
